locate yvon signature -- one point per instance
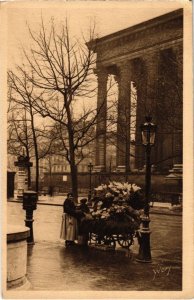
(160, 269)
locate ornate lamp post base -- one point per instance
(29, 205)
(144, 254)
(29, 223)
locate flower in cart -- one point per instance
(122, 188)
(126, 185)
(119, 210)
(125, 192)
(112, 209)
(116, 208)
(111, 185)
(99, 204)
(115, 186)
(135, 188)
(115, 190)
(122, 193)
(105, 215)
(93, 214)
(101, 188)
(96, 214)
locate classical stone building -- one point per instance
(149, 55)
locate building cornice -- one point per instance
(136, 31)
(114, 60)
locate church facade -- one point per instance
(147, 58)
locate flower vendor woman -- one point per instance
(69, 227)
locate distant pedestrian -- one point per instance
(69, 226)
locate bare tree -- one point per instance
(25, 129)
(60, 71)
(19, 137)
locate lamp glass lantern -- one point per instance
(148, 132)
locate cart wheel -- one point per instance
(109, 241)
(125, 240)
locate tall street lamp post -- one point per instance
(148, 131)
(90, 168)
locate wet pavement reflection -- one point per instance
(53, 267)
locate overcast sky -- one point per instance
(109, 16)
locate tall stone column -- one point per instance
(176, 173)
(151, 61)
(100, 163)
(141, 85)
(123, 121)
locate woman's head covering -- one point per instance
(83, 200)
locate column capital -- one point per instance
(151, 58)
(124, 66)
(101, 73)
(124, 72)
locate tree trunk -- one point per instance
(37, 174)
(50, 190)
(74, 181)
(28, 170)
(74, 177)
(35, 150)
(29, 177)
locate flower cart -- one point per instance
(114, 217)
(116, 224)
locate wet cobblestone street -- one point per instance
(51, 266)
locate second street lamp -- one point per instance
(148, 131)
(90, 168)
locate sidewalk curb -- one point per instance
(153, 210)
(165, 211)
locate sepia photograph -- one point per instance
(97, 149)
